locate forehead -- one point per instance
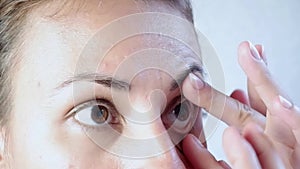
(99, 38)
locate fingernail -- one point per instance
(254, 51)
(263, 54)
(197, 141)
(196, 81)
(285, 103)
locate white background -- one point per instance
(275, 24)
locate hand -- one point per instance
(264, 129)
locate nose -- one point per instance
(145, 141)
(151, 147)
(169, 160)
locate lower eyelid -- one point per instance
(102, 128)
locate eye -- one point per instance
(96, 113)
(181, 118)
(179, 114)
(93, 115)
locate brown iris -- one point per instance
(99, 114)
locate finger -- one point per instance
(263, 147)
(238, 150)
(219, 105)
(241, 96)
(288, 112)
(224, 164)
(283, 128)
(254, 99)
(295, 158)
(288, 121)
(262, 53)
(282, 137)
(198, 155)
(257, 72)
(198, 131)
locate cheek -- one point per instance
(32, 146)
(37, 142)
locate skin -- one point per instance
(263, 129)
(40, 134)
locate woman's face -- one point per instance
(77, 106)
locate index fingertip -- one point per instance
(196, 82)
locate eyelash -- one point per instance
(114, 114)
(99, 101)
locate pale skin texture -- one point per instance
(41, 137)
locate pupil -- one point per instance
(99, 114)
(181, 115)
(177, 110)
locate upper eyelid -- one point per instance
(83, 105)
(178, 99)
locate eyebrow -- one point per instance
(110, 82)
(103, 80)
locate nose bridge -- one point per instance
(147, 140)
(152, 137)
(143, 114)
(147, 125)
(144, 110)
(144, 134)
(147, 97)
